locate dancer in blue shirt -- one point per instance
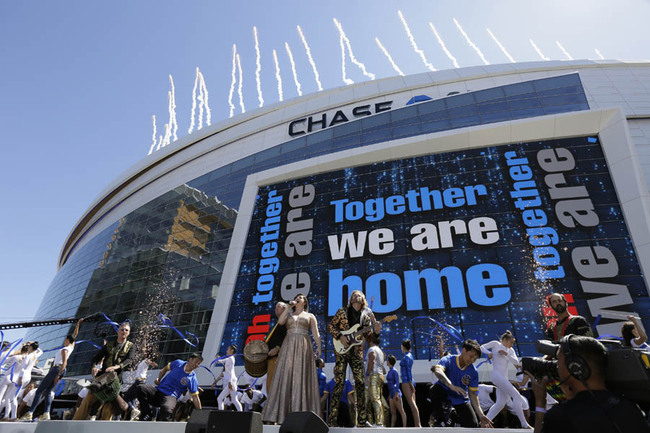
(395, 395)
(458, 382)
(408, 388)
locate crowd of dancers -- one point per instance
(367, 388)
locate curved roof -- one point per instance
(225, 132)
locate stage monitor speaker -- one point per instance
(303, 422)
(220, 421)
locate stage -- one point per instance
(179, 427)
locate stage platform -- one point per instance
(179, 427)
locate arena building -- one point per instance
(456, 200)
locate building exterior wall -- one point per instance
(159, 235)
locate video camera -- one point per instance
(628, 369)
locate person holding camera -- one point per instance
(590, 407)
(565, 323)
(458, 382)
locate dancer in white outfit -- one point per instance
(500, 352)
(24, 375)
(8, 382)
(229, 379)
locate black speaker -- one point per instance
(303, 422)
(219, 421)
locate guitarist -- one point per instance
(356, 313)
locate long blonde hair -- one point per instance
(364, 304)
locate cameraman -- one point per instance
(590, 407)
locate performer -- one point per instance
(229, 379)
(173, 380)
(9, 381)
(252, 400)
(57, 371)
(136, 378)
(566, 323)
(375, 372)
(322, 378)
(395, 395)
(408, 388)
(24, 374)
(356, 313)
(117, 356)
(500, 352)
(458, 382)
(633, 334)
(274, 342)
(295, 383)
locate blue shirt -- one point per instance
(322, 381)
(348, 388)
(176, 382)
(466, 378)
(405, 367)
(392, 379)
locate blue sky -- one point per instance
(80, 81)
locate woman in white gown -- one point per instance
(501, 352)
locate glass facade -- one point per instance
(167, 256)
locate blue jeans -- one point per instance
(45, 390)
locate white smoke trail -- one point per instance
(168, 129)
(390, 59)
(539, 52)
(278, 77)
(413, 44)
(165, 140)
(503, 49)
(206, 102)
(599, 55)
(173, 124)
(193, 112)
(442, 44)
(233, 81)
(153, 136)
(240, 86)
(311, 59)
(293, 68)
(471, 44)
(565, 52)
(258, 68)
(349, 47)
(346, 80)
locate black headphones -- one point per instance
(575, 364)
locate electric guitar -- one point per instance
(354, 336)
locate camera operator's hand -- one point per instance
(539, 389)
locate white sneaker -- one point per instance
(135, 413)
(44, 417)
(93, 418)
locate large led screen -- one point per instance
(463, 244)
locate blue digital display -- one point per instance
(463, 244)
